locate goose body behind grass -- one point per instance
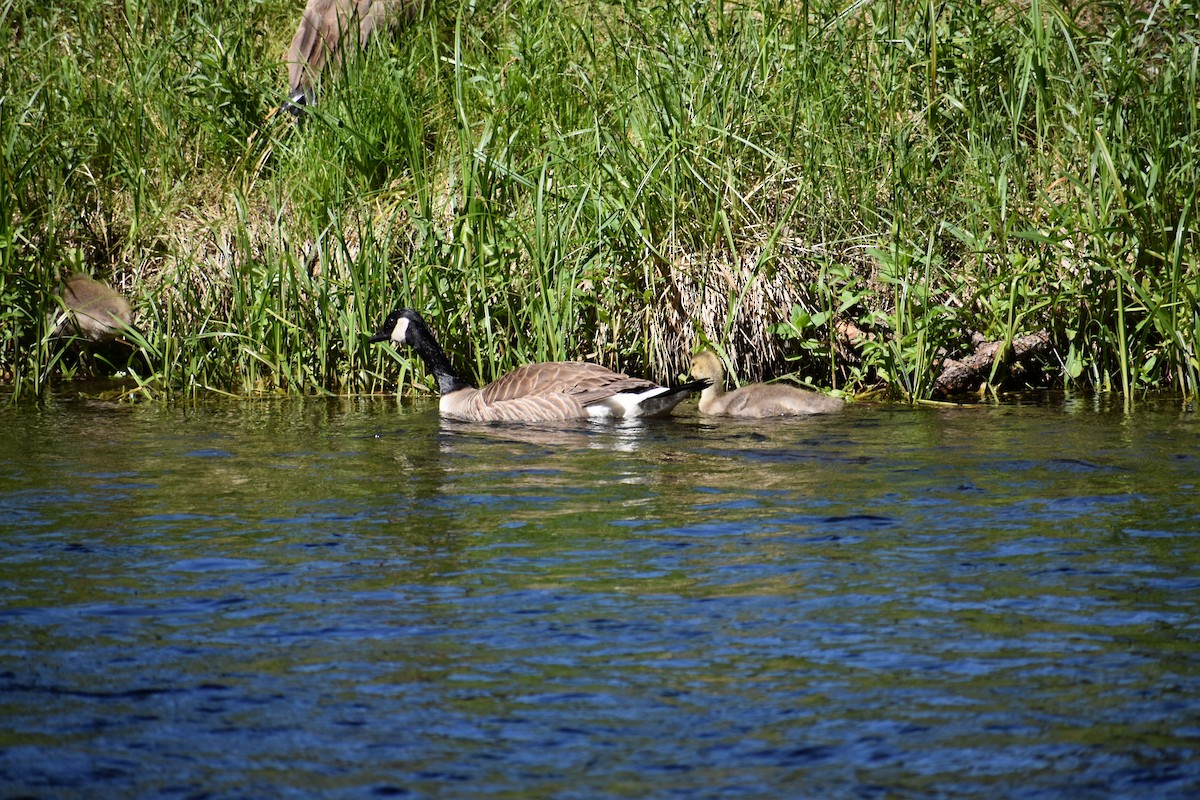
(547, 392)
(755, 400)
(327, 29)
(89, 309)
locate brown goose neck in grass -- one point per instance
(327, 28)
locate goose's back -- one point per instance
(551, 391)
(322, 27)
(94, 310)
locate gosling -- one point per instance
(90, 310)
(755, 400)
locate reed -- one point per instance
(618, 181)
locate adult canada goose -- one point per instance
(326, 28)
(90, 310)
(537, 392)
(755, 400)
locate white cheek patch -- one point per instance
(401, 331)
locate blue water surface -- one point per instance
(347, 598)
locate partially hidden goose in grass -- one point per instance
(89, 309)
(755, 400)
(94, 322)
(548, 392)
(327, 28)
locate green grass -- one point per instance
(621, 182)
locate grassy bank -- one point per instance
(844, 191)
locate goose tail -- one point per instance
(657, 402)
(697, 385)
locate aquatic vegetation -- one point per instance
(851, 193)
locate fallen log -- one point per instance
(974, 372)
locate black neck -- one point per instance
(435, 359)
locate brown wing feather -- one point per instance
(584, 381)
(316, 37)
(376, 15)
(326, 23)
(541, 408)
(549, 391)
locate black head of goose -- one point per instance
(547, 392)
(755, 400)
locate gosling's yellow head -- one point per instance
(707, 366)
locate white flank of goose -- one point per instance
(548, 392)
(755, 400)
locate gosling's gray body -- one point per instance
(755, 400)
(90, 310)
(549, 392)
(327, 28)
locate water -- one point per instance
(351, 599)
